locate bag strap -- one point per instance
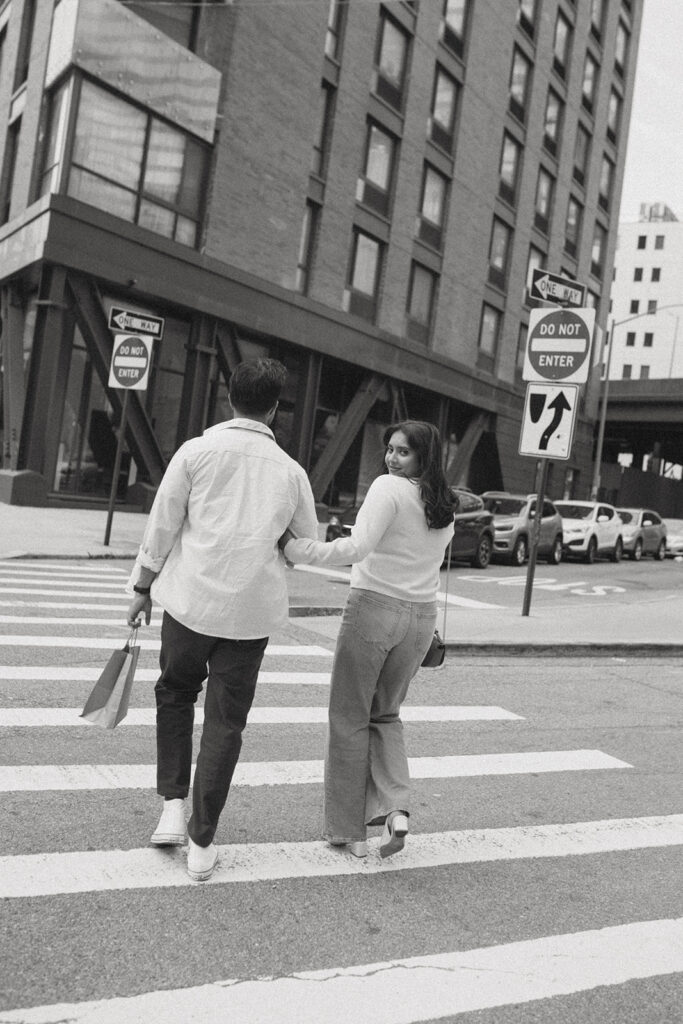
(445, 600)
(132, 638)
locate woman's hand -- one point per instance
(285, 538)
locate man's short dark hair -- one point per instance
(255, 385)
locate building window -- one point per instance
(552, 130)
(510, 163)
(421, 296)
(638, 274)
(659, 241)
(499, 253)
(321, 146)
(648, 339)
(652, 305)
(179, 21)
(9, 169)
(626, 371)
(621, 49)
(520, 85)
(592, 300)
(335, 28)
(572, 227)
(137, 167)
(581, 153)
(375, 184)
(526, 16)
(630, 339)
(60, 102)
(590, 83)
(392, 62)
(642, 241)
(644, 372)
(535, 261)
(521, 348)
(442, 120)
(432, 206)
(613, 116)
(561, 45)
(606, 183)
(364, 275)
(544, 200)
(656, 274)
(489, 332)
(455, 25)
(25, 42)
(304, 263)
(597, 18)
(633, 308)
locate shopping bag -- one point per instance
(107, 705)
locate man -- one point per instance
(210, 558)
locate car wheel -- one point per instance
(618, 552)
(519, 552)
(482, 555)
(660, 553)
(555, 553)
(637, 552)
(591, 551)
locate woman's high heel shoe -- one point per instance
(394, 834)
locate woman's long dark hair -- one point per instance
(439, 501)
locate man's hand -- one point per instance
(140, 603)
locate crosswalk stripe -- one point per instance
(50, 581)
(50, 592)
(454, 599)
(13, 565)
(406, 990)
(61, 576)
(41, 717)
(145, 644)
(59, 673)
(68, 620)
(52, 874)
(25, 778)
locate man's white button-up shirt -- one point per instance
(212, 534)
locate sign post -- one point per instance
(556, 361)
(129, 369)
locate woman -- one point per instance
(396, 548)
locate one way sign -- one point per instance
(556, 288)
(549, 418)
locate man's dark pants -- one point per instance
(233, 667)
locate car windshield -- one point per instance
(626, 517)
(569, 511)
(504, 506)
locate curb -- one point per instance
(583, 649)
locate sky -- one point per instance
(654, 157)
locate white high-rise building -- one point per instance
(648, 278)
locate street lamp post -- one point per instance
(609, 341)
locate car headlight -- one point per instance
(575, 529)
(504, 529)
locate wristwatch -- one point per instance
(141, 590)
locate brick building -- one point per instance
(359, 189)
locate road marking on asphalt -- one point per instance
(463, 602)
(56, 620)
(26, 778)
(59, 673)
(54, 582)
(70, 593)
(51, 874)
(103, 643)
(31, 566)
(47, 717)
(60, 576)
(405, 990)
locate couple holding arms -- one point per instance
(230, 503)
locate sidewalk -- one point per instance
(648, 626)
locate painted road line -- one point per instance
(53, 874)
(50, 582)
(406, 990)
(27, 778)
(62, 576)
(61, 673)
(105, 643)
(463, 602)
(31, 565)
(70, 605)
(113, 596)
(56, 620)
(22, 718)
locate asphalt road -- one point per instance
(542, 872)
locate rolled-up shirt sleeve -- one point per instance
(304, 522)
(374, 518)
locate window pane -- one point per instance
(55, 145)
(380, 150)
(598, 249)
(573, 221)
(156, 218)
(509, 162)
(444, 101)
(561, 45)
(185, 231)
(365, 265)
(500, 240)
(519, 80)
(488, 335)
(392, 55)
(421, 294)
(590, 78)
(434, 196)
(621, 45)
(553, 112)
(110, 136)
(581, 150)
(455, 15)
(606, 172)
(164, 162)
(613, 112)
(544, 193)
(101, 193)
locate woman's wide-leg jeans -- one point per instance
(381, 644)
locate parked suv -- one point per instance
(513, 518)
(591, 528)
(472, 537)
(644, 533)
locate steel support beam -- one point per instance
(13, 389)
(201, 353)
(477, 426)
(350, 423)
(93, 325)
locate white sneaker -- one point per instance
(201, 860)
(172, 827)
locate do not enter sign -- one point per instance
(559, 345)
(130, 361)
